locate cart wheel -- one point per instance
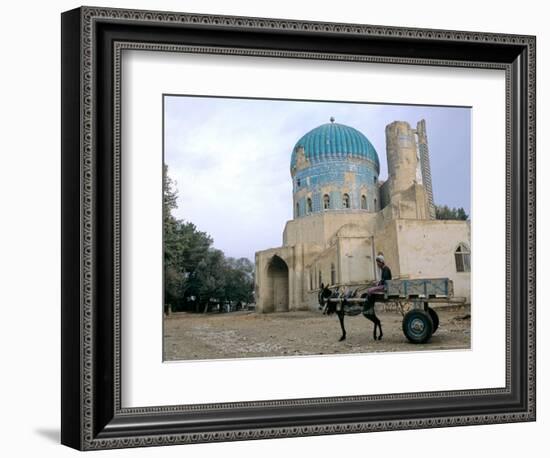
(435, 318)
(418, 326)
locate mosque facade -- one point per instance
(344, 216)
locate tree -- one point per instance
(445, 212)
(239, 283)
(208, 280)
(193, 268)
(184, 248)
(173, 276)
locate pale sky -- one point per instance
(231, 159)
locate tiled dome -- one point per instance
(335, 141)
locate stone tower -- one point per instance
(401, 154)
(404, 192)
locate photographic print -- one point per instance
(318, 211)
(296, 227)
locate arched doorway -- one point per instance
(277, 274)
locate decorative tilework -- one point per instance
(336, 176)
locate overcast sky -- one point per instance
(231, 159)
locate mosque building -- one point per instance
(344, 216)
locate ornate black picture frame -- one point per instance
(92, 41)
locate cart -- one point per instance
(412, 298)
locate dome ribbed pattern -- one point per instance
(333, 140)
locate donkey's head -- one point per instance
(326, 293)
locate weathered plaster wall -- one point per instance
(385, 242)
(426, 249)
(356, 259)
(319, 228)
(295, 257)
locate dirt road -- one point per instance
(250, 334)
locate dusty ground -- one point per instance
(250, 334)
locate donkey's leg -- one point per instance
(341, 318)
(377, 322)
(370, 317)
(368, 313)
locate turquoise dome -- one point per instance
(333, 140)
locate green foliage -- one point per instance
(194, 269)
(239, 280)
(445, 212)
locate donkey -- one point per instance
(343, 308)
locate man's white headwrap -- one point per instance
(380, 258)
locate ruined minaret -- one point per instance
(425, 165)
(409, 185)
(401, 154)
